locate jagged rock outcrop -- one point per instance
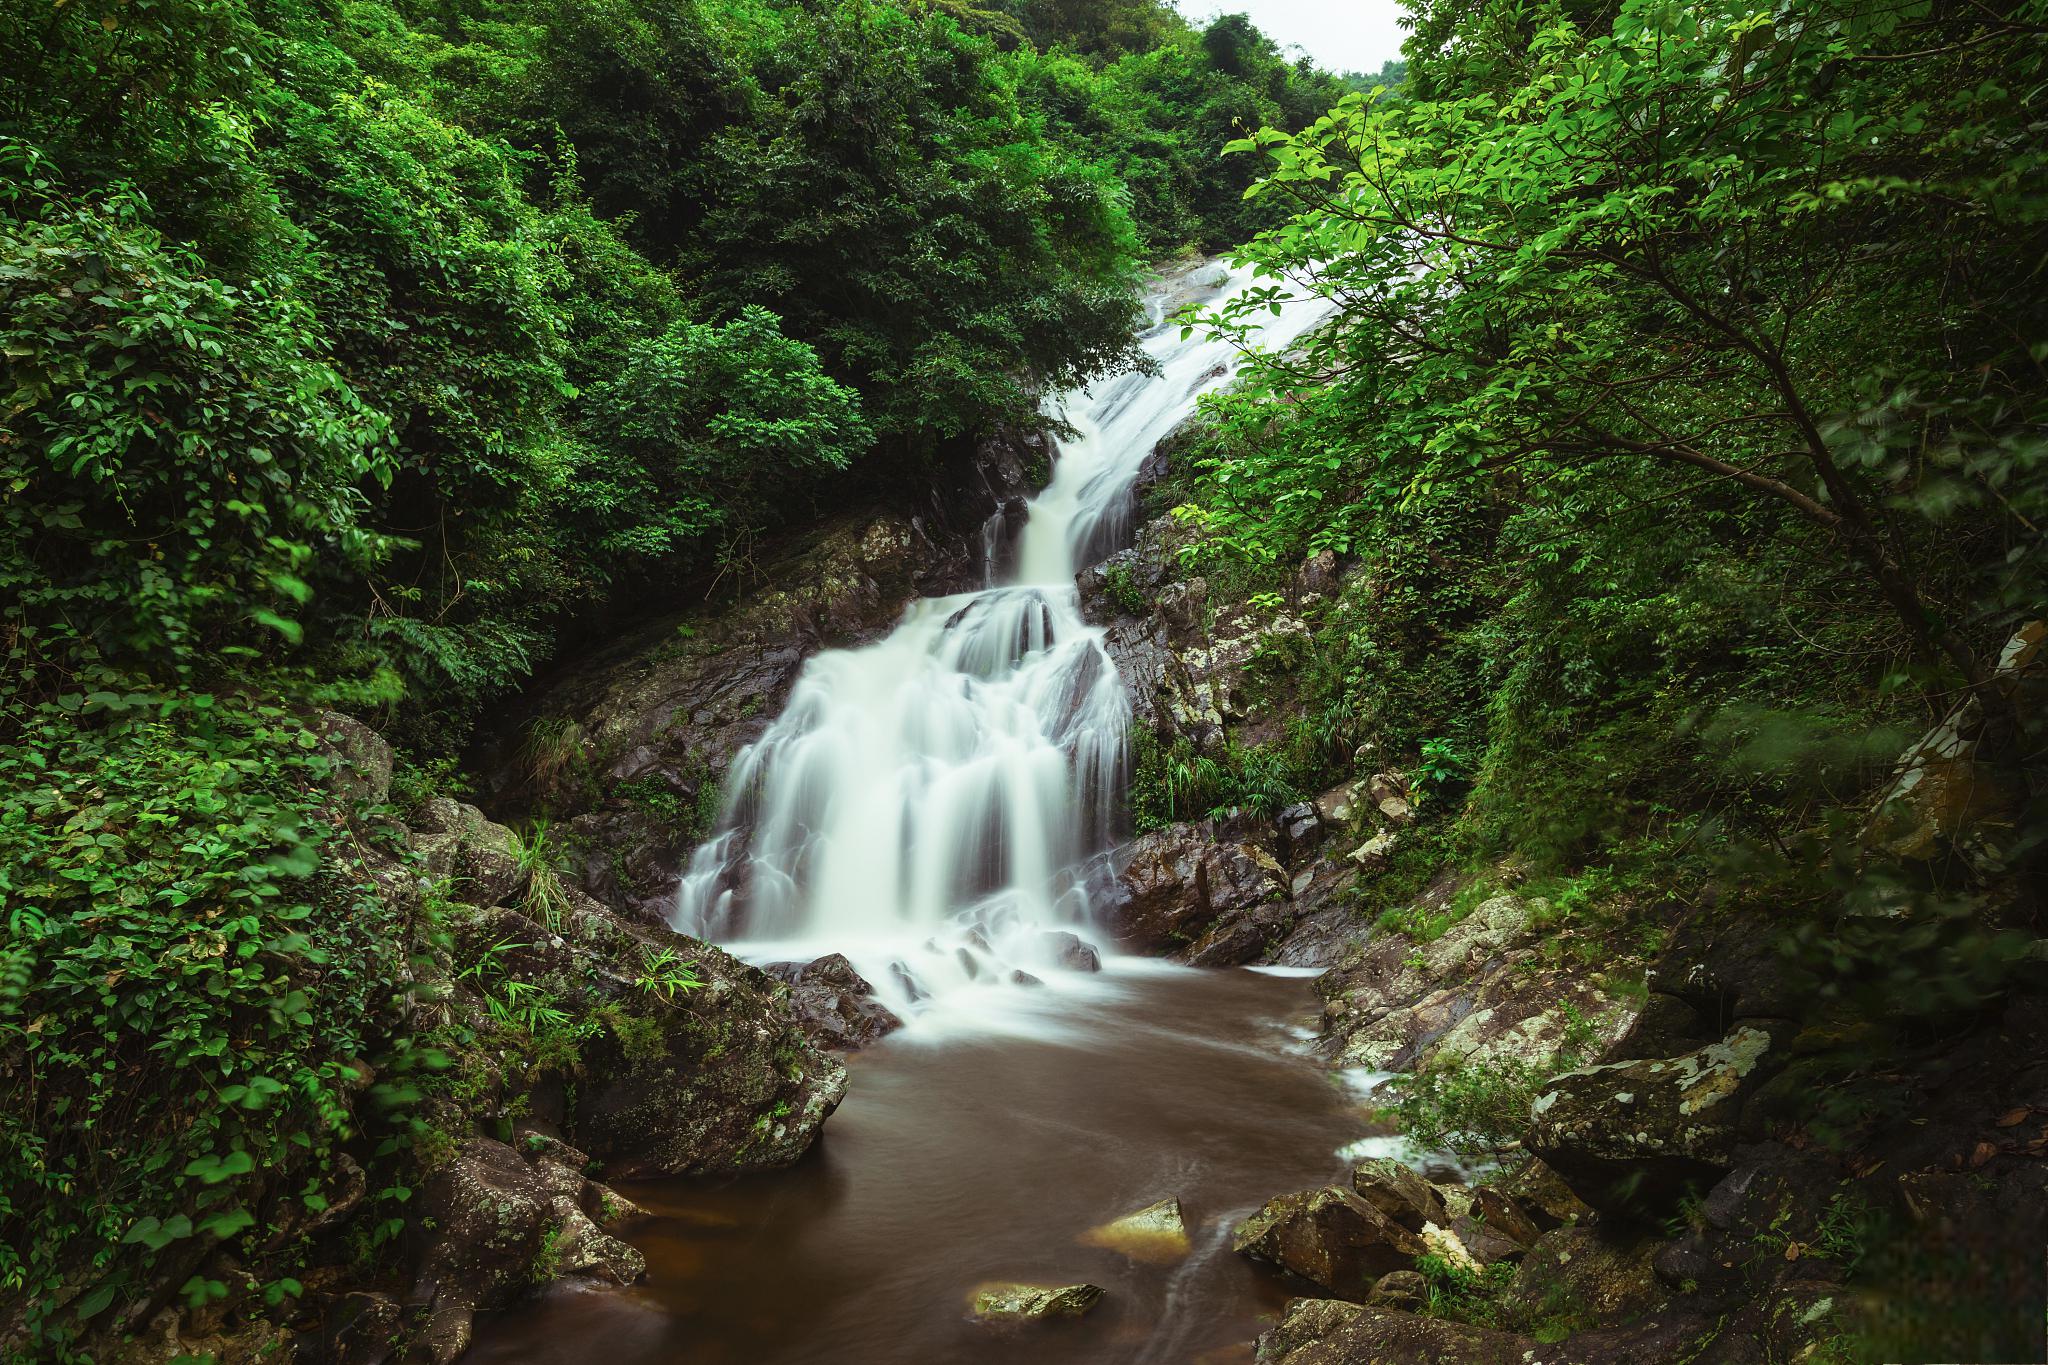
(835, 1003)
(1633, 1135)
(1482, 991)
(1331, 1237)
(1174, 886)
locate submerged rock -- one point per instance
(1010, 1302)
(1068, 951)
(1157, 1232)
(1330, 1237)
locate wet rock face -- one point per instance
(835, 1004)
(1175, 885)
(1631, 1136)
(1330, 1237)
(503, 1223)
(630, 745)
(1067, 951)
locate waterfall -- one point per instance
(929, 804)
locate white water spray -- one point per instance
(928, 804)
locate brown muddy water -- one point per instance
(968, 1154)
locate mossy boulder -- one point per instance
(717, 1078)
(504, 1222)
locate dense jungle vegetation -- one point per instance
(1684, 402)
(1685, 405)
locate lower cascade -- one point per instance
(931, 805)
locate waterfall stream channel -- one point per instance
(938, 806)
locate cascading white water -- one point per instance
(928, 804)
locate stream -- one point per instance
(978, 1157)
(938, 806)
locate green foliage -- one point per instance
(1481, 1109)
(1672, 458)
(1472, 1110)
(1122, 586)
(172, 932)
(716, 422)
(363, 356)
(1173, 782)
(1461, 1292)
(178, 470)
(666, 975)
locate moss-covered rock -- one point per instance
(1157, 1232)
(1631, 1136)
(1017, 1303)
(503, 1222)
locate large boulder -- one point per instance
(503, 1224)
(1175, 884)
(1397, 1191)
(1632, 1136)
(474, 855)
(1331, 1237)
(715, 1077)
(1578, 1277)
(835, 1004)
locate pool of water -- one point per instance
(966, 1155)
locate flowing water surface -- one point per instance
(977, 1157)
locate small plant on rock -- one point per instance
(667, 975)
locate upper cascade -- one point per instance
(929, 804)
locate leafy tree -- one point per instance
(713, 421)
(1753, 255)
(178, 469)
